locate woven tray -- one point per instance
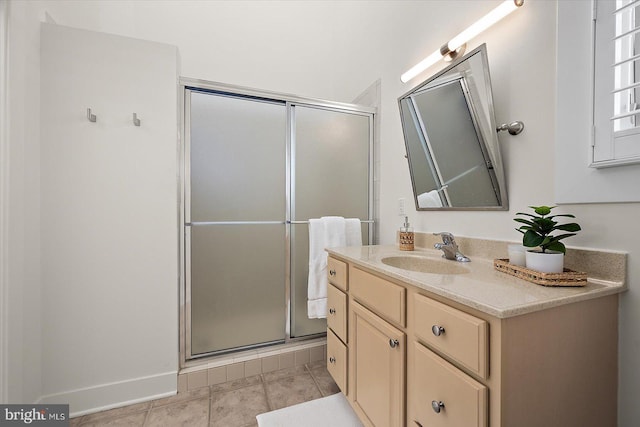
(567, 278)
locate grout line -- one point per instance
(266, 393)
(209, 403)
(146, 417)
(315, 381)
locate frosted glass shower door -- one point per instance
(235, 217)
(331, 152)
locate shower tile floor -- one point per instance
(230, 404)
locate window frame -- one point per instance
(608, 148)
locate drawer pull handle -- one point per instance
(437, 330)
(332, 272)
(332, 359)
(437, 406)
(393, 343)
(417, 423)
(332, 311)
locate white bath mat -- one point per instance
(333, 411)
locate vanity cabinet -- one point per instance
(337, 353)
(419, 359)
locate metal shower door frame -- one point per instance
(185, 87)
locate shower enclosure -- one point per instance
(257, 166)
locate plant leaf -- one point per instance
(557, 246)
(524, 221)
(532, 239)
(569, 227)
(562, 236)
(545, 223)
(542, 210)
(565, 215)
(545, 242)
(527, 214)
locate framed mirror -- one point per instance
(451, 139)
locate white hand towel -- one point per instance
(429, 200)
(353, 230)
(317, 269)
(334, 231)
(326, 232)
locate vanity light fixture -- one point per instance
(456, 46)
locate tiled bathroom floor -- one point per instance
(230, 404)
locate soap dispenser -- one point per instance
(406, 236)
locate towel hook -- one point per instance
(514, 128)
(136, 120)
(91, 117)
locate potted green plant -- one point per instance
(537, 232)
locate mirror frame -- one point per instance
(488, 140)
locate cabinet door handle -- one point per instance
(393, 343)
(437, 405)
(332, 359)
(417, 423)
(332, 311)
(437, 330)
(332, 272)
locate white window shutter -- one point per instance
(616, 83)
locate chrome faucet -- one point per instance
(449, 247)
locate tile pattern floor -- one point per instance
(231, 404)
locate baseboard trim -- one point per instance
(114, 395)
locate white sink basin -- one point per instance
(425, 265)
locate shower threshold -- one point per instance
(212, 370)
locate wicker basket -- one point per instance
(567, 278)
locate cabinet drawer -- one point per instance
(337, 312)
(435, 380)
(385, 298)
(464, 338)
(337, 273)
(337, 360)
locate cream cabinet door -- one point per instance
(378, 368)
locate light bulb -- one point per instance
(421, 66)
(482, 24)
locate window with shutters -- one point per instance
(616, 118)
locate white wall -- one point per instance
(337, 49)
(108, 216)
(23, 376)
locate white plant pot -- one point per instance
(545, 262)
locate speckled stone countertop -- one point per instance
(484, 288)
